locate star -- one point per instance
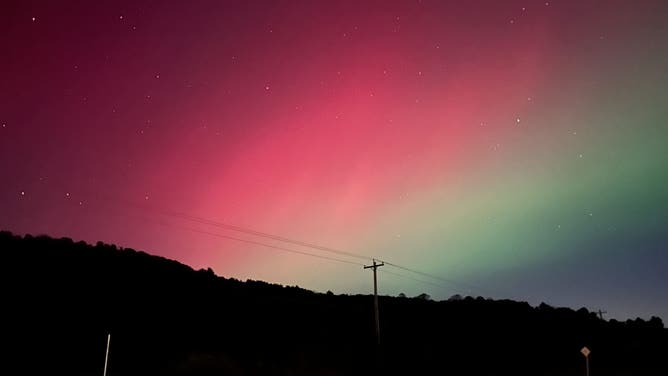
(120, 17)
(34, 19)
(517, 120)
(23, 193)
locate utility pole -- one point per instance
(600, 313)
(375, 295)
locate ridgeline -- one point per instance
(61, 298)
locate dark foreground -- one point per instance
(61, 298)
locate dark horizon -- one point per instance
(166, 318)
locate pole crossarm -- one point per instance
(374, 266)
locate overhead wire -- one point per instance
(409, 277)
(247, 230)
(253, 232)
(436, 277)
(271, 246)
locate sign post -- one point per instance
(585, 351)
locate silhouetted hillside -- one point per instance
(61, 298)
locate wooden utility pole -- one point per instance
(375, 295)
(600, 313)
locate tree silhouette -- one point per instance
(61, 298)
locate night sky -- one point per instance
(514, 149)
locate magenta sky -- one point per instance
(513, 144)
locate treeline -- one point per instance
(61, 298)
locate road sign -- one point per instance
(585, 351)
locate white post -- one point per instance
(106, 356)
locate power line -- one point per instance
(429, 275)
(411, 278)
(311, 245)
(263, 244)
(305, 244)
(144, 217)
(319, 247)
(314, 255)
(249, 231)
(269, 236)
